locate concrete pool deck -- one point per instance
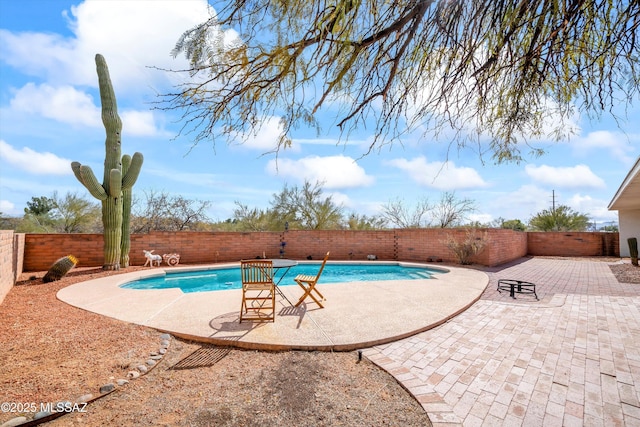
(356, 315)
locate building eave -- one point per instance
(628, 195)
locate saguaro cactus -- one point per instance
(117, 181)
(125, 243)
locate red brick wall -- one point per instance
(42, 250)
(573, 244)
(418, 245)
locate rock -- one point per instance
(41, 414)
(122, 382)
(142, 368)
(107, 388)
(153, 353)
(156, 357)
(15, 422)
(132, 375)
(165, 337)
(164, 343)
(151, 362)
(85, 398)
(162, 351)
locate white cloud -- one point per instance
(482, 218)
(579, 176)
(34, 162)
(64, 104)
(616, 144)
(439, 175)
(68, 105)
(6, 207)
(334, 171)
(341, 199)
(265, 137)
(520, 204)
(139, 123)
(595, 209)
(71, 60)
(37, 54)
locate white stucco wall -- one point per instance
(629, 224)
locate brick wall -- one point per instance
(42, 250)
(419, 245)
(11, 260)
(573, 244)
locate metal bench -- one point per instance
(517, 286)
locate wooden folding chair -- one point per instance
(308, 284)
(258, 291)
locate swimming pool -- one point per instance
(229, 278)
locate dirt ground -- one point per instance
(54, 352)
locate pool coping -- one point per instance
(356, 315)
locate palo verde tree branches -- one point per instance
(500, 72)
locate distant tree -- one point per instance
(164, 212)
(610, 228)
(479, 224)
(69, 214)
(501, 68)
(228, 224)
(451, 211)
(40, 206)
(364, 222)
(76, 214)
(246, 219)
(39, 216)
(448, 212)
(9, 222)
(306, 208)
(562, 218)
(398, 214)
(513, 224)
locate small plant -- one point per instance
(633, 250)
(473, 243)
(60, 268)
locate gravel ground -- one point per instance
(626, 273)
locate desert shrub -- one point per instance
(472, 244)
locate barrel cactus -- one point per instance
(60, 268)
(115, 190)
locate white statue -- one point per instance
(151, 258)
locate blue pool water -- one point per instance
(229, 278)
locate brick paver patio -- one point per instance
(570, 359)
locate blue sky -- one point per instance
(50, 116)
